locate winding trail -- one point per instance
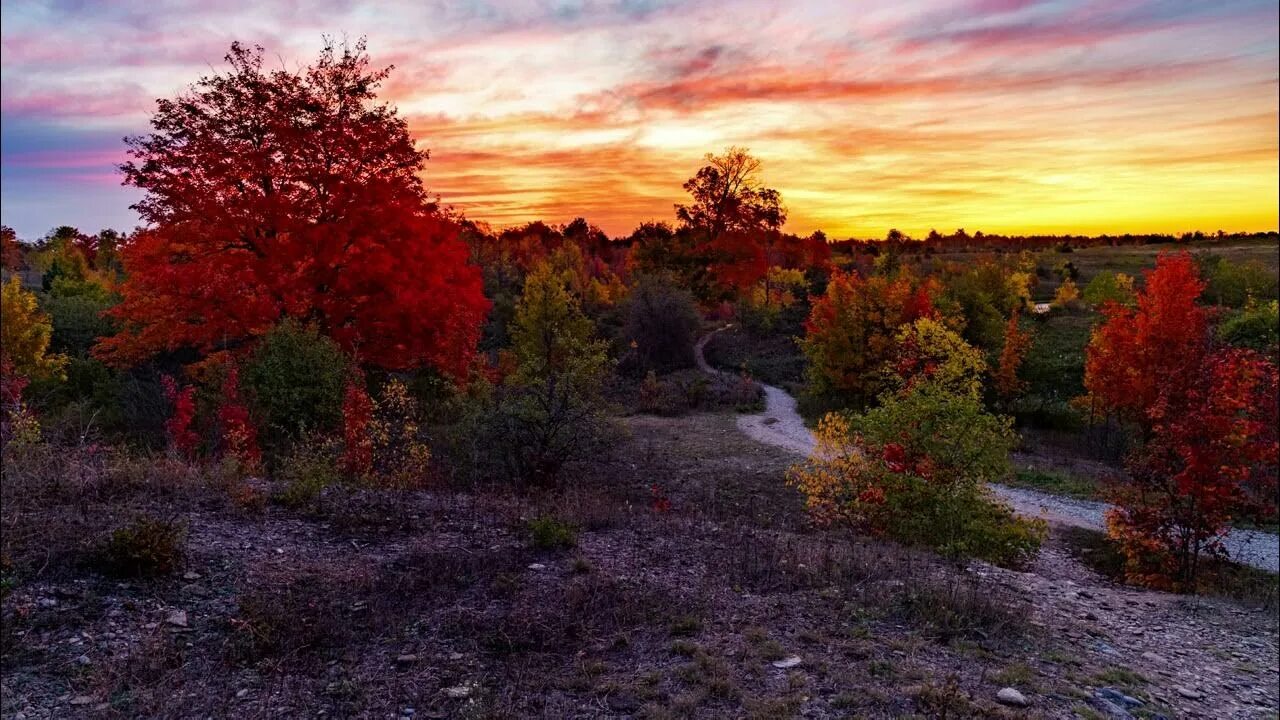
(781, 425)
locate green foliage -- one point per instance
(76, 309)
(146, 546)
(986, 293)
(662, 323)
(549, 409)
(1234, 283)
(549, 533)
(930, 353)
(1109, 287)
(295, 379)
(309, 468)
(1256, 326)
(916, 469)
(967, 447)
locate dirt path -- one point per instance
(781, 425)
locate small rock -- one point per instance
(537, 566)
(81, 700)
(191, 575)
(177, 618)
(455, 656)
(47, 602)
(458, 691)
(1009, 696)
(83, 660)
(406, 659)
(242, 693)
(787, 662)
(1115, 696)
(1189, 693)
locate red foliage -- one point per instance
(179, 426)
(239, 436)
(1016, 342)
(11, 384)
(357, 414)
(273, 194)
(1208, 420)
(661, 503)
(1136, 354)
(1212, 455)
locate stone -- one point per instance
(177, 618)
(406, 659)
(242, 693)
(83, 660)
(1009, 696)
(537, 566)
(82, 700)
(1189, 693)
(191, 575)
(458, 692)
(787, 662)
(1115, 696)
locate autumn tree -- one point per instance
(728, 195)
(10, 249)
(273, 194)
(25, 334)
(1016, 343)
(851, 332)
(1135, 354)
(548, 410)
(734, 218)
(1211, 458)
(1207, 421)
(927, 352)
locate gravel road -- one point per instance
(781, 425)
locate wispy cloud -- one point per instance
(1085, 115)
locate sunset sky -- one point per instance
(999, 115)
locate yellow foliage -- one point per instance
(827, 479)
(25, 334)
(1067, 296)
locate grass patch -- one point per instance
(549, 533)
(1057, 483)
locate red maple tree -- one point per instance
(1138, 353)
(1207, 419)
(278, 193)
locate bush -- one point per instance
(662, 324)
(310, 467)
(916, 469)
(549, 410)
(1257, 327)
(146, 546)
(549, 533)
(295, 379)
(1234, 284)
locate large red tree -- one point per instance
(274, 193)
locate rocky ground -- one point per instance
(693, 588)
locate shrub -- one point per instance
(295, 380)
(928, 352)
(1109, 287)
(661, 324)
(1257, 327)
(1234, 284)
(146, 546)
(915, 469)
(309, 468)
(549, 409)
(549, 533)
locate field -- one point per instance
(465, 604)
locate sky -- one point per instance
(1015, 116)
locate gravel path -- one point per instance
(781, 425)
